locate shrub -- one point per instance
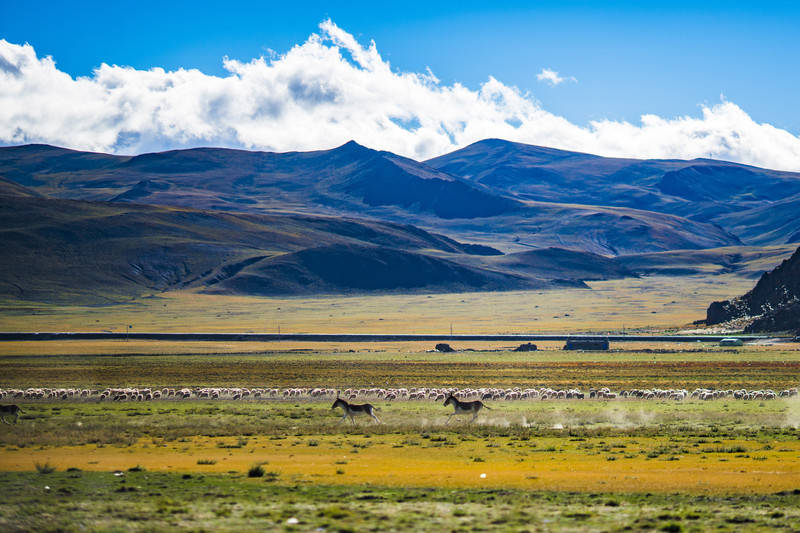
(45, 468)
(255, 471)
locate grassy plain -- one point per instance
(576, 465)
(718, 447)
(654, 302)
(158, 501)
(596, 465)
(28, 365)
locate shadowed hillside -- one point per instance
(75, 251)
(9, 188)
(745, 261)
(702, 190)
(569, 264)
(344, 268)
(774, 302)
(347, 178)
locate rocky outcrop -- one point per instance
(773, 302)
(787, 318)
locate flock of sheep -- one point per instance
(386, 394)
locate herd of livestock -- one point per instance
(385, 394)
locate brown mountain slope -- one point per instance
(354, 181)
(95, 252)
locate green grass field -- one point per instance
(157, 501)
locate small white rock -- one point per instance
(292, 521)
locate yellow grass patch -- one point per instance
(403, 460)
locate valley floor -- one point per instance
(257, 464)
(656, 303)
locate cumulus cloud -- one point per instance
(552, 77)
(331, 89)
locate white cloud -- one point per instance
(331, 89)
(552, 77)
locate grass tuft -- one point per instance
(45, 468)
(256, 471)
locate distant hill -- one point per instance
(342, 268)
(345, 179)
(772, 222)
(569, 264)
(774, 302)
(96, 252)
(98, 226)
(601, 230)
(702, 190)
(354, 181)
(745, 261)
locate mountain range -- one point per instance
(494, 215)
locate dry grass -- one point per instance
(758, 367)
(652, 302)
(641, 464)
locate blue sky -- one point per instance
(640, 79)
(629, 58)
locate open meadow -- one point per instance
(652, 302)
(563, 464)
(287, 463)
(86, 462)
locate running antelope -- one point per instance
(11, 410)
(351, 410)
(464, 408)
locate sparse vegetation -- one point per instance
(44, 468)
(614, 306)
